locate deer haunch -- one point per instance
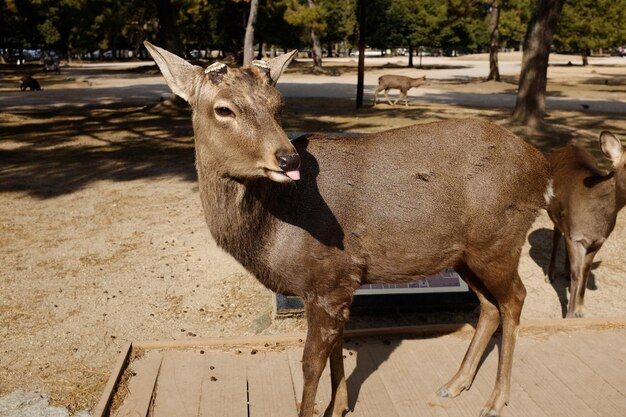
(390, 207)
(400, 82)
(584, 209)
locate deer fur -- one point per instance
(400, 82)
(29, 82)
(390, 207)
(584, 209)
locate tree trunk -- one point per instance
(530, 107)
(315, 43)
(168, 32)
(410, 56)
(361, 68)
(494, 71)
(248, 44)
(585, 56)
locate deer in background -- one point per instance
(584, 209)
(322, 215)
(400, 82)
(29, 82)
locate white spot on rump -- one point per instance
(548, 195)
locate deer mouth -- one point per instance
(282, 176)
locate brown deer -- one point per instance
(584, 209)
(28, 82)
(400, 82)
(319, 216)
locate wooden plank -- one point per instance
(224, 390)
(520, 403)
(179, 384)
(269, 386)
(600, 358)
(446, 364)
(547, 390)
(141, 386)
(322, 398)
(573, 370)
(102, 408)
(408, 382)
(613, 341)
(367, 394)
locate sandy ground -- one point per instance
(103, 239)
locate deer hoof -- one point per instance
(579, 314)
(488, 412)
(444, 392)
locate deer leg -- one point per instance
(339, 394)
(500, 285)
(566, 266)
(580, 295)
(576, 252)
(510, 304)
(398, 99)
(556, 238)
(487, 324)
(323, 334)
(378, 90)
(387, 97)
(406, 100)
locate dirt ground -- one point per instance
(103, 240)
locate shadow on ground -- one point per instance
(369, 359)
(47, 155)
(55, 152)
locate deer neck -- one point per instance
(605, 189)
(242, 217)
(620, 196)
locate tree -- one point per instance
(248, 44)
(311, 16)
(531, 94)
(494, 71)
(590, 24)
(405, 23)
(513, 22)
(168, 31)
(341, 22)
(274, 29)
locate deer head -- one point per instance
(236, 116)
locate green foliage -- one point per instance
(447, 24)
(80, 26)
(273, 29)
(591, 24)
(311, 15)
(341, 22)
(49, 32)
(514, 18)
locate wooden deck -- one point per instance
(556, 373)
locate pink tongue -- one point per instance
(294, 175)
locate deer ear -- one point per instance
(612, 147)
(279, 64)
(178, 73)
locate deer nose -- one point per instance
(288, 161)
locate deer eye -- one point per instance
(224, 111)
